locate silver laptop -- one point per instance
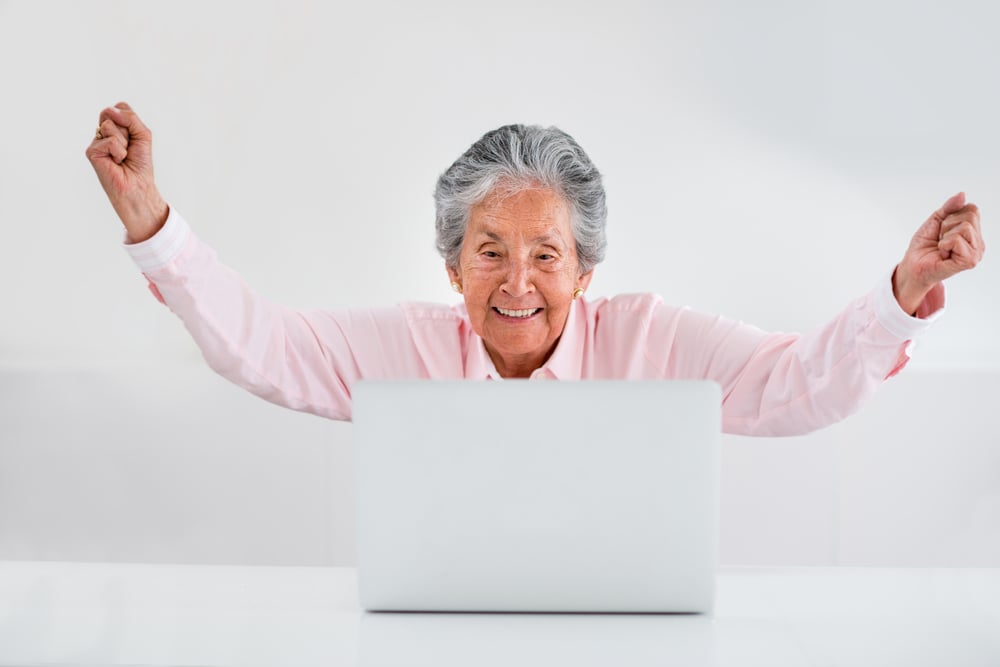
(532, 496)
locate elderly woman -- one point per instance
(520, 224)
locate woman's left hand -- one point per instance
(949, 242)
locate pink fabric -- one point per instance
(154, 290)
(772, 384)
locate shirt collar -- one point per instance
(478, 365)
(566, 359)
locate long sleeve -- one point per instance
(305, 360)
(789, 384)
(772, 384)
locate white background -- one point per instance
(767, 161)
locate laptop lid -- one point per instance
(595, 496)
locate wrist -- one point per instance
(908, 292)
(144, 218)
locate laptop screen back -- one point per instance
(597, 496)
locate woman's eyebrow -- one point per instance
(550, 240)
(553, 240)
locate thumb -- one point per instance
(123, 115)
(954, 204)
(931, 229)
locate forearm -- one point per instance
(789, 384)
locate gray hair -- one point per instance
(517, 157)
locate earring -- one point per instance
(456, 287)
(577, 293)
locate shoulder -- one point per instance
(627, 303)
(436, 325)
(634, 317)
(419, 313)
(404, 319)
(623, 308)
(441, 334)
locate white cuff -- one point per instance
(163, 246)
(896, 320)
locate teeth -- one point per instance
(517, 313)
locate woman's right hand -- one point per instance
(122, 155)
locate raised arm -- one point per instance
(304, 360)
(307, 360)
(789, 384)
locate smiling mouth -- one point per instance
(517, 314)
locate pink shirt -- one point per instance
(772, 384)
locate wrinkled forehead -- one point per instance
(530, 213)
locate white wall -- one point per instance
(768, 161)
(156, 463)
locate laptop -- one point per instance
(534, 496)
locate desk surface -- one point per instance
(136, 614)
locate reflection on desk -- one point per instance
(131, 614)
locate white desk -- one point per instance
(102, 613)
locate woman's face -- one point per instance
(518, 270)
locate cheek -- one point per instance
(480, 276)
(477, 289)
(560, 287)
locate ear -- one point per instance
(453, 275)
(584, 280)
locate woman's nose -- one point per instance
(518, 280)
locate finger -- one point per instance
(975, 216)
(967, 216)
(966, 231)
(109, 147)
(122, 114)
(117, 149)
(108, 128)
(106, 113)
(957, 246)
(931, 230)
(961, 253)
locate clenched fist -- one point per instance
(950, 241)
(122, 156)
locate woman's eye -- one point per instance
(545, 257)
(491, 254)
